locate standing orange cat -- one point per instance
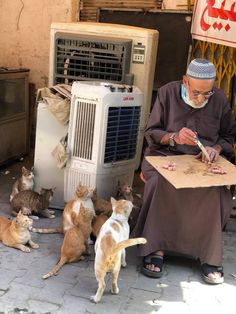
(75, 242)
(83, 196)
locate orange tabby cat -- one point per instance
(15, 233)
(101, 205)
(110, 246)
(75, 241)
(97, 223)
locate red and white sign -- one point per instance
(215, 21)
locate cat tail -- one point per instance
(126, 243)
(56, 268)
(48, 230)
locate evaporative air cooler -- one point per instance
(103, 136)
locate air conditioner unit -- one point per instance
(102, 137)
(105, 52)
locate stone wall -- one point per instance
(25, 33)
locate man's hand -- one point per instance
(213, 152)
(186, 136)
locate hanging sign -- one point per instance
(215, 21)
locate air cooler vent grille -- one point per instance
(91, 58)
(84, 130)
(122, 133)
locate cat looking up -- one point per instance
(82, 196)
(101, 206)
(126, 192)
(75, 240)
(110, 246)
(15, 233)
(25, 182)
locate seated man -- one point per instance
(187, 221)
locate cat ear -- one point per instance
(18, 215)
(113, 201)
(23, 169)
(32, 168)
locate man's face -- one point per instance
(198, 90)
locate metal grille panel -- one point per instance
(80, 57)
(122, 133)
(84, 130)
(224, 59)
(72, 178)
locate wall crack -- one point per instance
(19, 16)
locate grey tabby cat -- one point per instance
(25, 182)
(33, 203)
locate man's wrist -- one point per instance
(165, 139)
(172, 139)
(176, 138)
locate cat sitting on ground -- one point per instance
(75, 241)
(110, 246)
(125, 192)
(25, 182)
(103, 210)
(101, 205)
(83, 196)
(97, 223)
(15, 233)
(33, 203)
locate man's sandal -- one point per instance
(155, 260)
(207, 269)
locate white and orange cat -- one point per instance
(75, 242)
(25, 182)
(15, 233)
(110, 246)
(83, 196)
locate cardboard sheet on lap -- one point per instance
(192, 173)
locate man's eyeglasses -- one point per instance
(195, 94)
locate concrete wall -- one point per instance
(24, 33)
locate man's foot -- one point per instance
(152, 265)
(212, 274)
